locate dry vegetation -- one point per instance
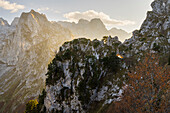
(148, 89)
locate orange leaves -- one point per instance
(149, 86)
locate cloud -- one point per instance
(14, 7)
(43, 9)
(90, 14)
(56, 11)
(47, 9)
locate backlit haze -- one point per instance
(124, 14)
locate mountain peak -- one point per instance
(96, 20)
(32, 19)
(15, 21)
(33, 15)
(160, 6)
(83, 21)
(32, 11)
(154, 32)
(97, 23)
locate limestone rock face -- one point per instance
(160, 6)
(15, 21)
(27, 46)
(154, 34)
(80, 76)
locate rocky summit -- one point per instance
(154, 34)
(84, 73)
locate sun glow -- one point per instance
(34, 17)
(118, 55)
(2, 23)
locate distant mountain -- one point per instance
(94, 29)
(27, 46)
(120, 33)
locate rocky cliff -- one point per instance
(83, 74)
(27, 46)
(154, 34)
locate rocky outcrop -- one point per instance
(154, 34)
(27, 46)
(83, 74)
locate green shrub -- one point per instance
(67, 55)
(161, 35)
(156, 47)
(42, 97)
(130, 47)
(84, 95)
(142, 39)
(54, 73)
(112, 62)
(75, 41)
(96, 44)
(58, 58)
(105, 38)
(94, 81)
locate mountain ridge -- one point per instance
(93, 29)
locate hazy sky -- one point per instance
(124, 14)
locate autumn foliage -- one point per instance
(31, 106)
(148, 89)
